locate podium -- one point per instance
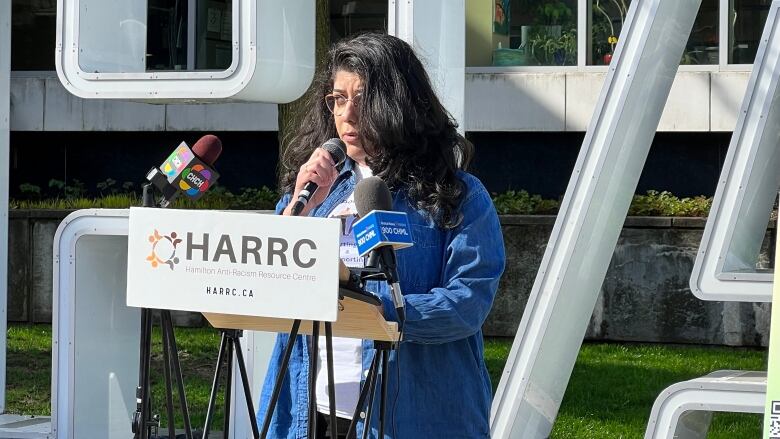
(357, 318)
(244, 271)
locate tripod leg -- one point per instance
(315, 338)
(247, 392)
(280, 378)
(383, 393)
(214, 384)
(363, 395)
(141, 422)
(185, 411)
(167, 373)
(228, 387)
(371, 394)
(334, 432)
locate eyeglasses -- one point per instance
(337, 103)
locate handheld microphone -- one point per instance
(187, 171)
(338, 152)
(381, 231)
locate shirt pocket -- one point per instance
(419, 266)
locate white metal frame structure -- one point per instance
(725, 267)
(591, 216)
(438, 36)
(273, 54)
(96, 336)
(5, 109)
(684, 410)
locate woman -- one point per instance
(374, 94)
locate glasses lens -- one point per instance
(330, 102)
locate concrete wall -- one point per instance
(496, 99)
(39, 102)
(645, 296)
(564, 100)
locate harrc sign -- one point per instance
(233, 262)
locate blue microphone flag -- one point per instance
(382, 227)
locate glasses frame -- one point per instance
(335, 96)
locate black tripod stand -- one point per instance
(231, 342)
(144, 422)
(368, 390)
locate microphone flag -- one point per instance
(187, 173)
(382, 227)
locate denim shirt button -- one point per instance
(362, 415)
(365, 373)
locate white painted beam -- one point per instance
(594, 207)
(5, 110)
(437, 31)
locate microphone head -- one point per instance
(208, 148)
(337, 150)
(372, 194)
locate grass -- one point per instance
(613, 386)
(610, 394)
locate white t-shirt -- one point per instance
(347, 352)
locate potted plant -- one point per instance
(552, 50)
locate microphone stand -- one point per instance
(143, 420)
(374, 270)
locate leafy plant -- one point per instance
(522, 203)
(75, 190)
(554, 12)
(30, 190)
(551, 50)
(107, 187)
(217, 198)
(653, 203)
(656, 203)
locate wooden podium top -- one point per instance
(356, 319)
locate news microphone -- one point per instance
(187, 171)
(381, 231)
(338, 152)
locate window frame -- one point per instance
(583, 12)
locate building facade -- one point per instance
(534, 70)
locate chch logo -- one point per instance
(163, 249)
(194, 180)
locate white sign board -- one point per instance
(233, 263)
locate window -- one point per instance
(747, 18)
(348, 17)
(33, 34)
(521, 33)
(607, 17)
(168, 45)
(702, 47)
(606, 22)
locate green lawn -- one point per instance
(610, 393)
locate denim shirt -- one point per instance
(438, 385)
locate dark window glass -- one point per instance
(702, 47)
(348, 17)
(748, 18)
(167, 31)
(606, 22)
(33, 34)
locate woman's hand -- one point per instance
(320, 169)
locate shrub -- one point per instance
(656, 203)
(521, 203)
(218, 198)
(653, 203)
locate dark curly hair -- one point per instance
(414, 144)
